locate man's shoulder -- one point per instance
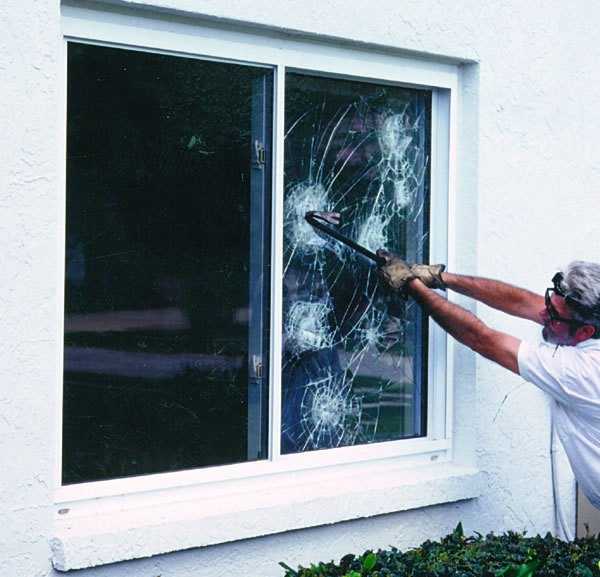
(538, 361)
(544, 362)
(586, 353)
(583, 360)
(570, 374)
(589, 346)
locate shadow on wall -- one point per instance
(588, 517)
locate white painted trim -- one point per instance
(438, 379)
(61, 222)
(419, 450)
(451, 180)
(155, 32)
(441, 230)
(110, 531)
(178, 37)
(277, 261)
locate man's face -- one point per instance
(559, 332)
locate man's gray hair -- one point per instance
(581, 281)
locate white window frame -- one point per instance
(400, 464)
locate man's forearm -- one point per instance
(463, 325)
(466, 328)
(497, 294)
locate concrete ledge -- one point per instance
(284, 503)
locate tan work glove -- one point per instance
(395, 272)
(429, 274)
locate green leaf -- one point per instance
(458, 532)
(290, 571)
(528, 569)
(369, 562)
(583, 571)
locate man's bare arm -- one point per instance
(499, 295)
(466, 328)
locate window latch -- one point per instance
(259, 153)
(257, 366)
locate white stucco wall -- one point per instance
(528, 200)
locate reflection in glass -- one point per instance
(354, 355)
(165, 263)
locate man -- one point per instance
(566, 365)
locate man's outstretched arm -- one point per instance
(466, 328)
(497, 294)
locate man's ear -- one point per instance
(584, 333)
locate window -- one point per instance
(167, 259)
(354, 355)
(167, 268)
(215, 346)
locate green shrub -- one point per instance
(508, 555)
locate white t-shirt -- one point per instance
(571, 374)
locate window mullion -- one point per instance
(277, 263)
(439, 355)
(259, 235)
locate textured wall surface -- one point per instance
(29, 261)
(527, 203)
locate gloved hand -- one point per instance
(395, 272)
(429, 274)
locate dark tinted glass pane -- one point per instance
(354, 356)
(165, 263)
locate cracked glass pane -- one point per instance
(354, 356)
(167, 246)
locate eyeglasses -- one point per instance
(553, 313)
(571, 302)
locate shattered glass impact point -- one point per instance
(307, 327)
(303, 198)
(331, 414)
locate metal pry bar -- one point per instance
(321, 220)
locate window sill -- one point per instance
(110, 530)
